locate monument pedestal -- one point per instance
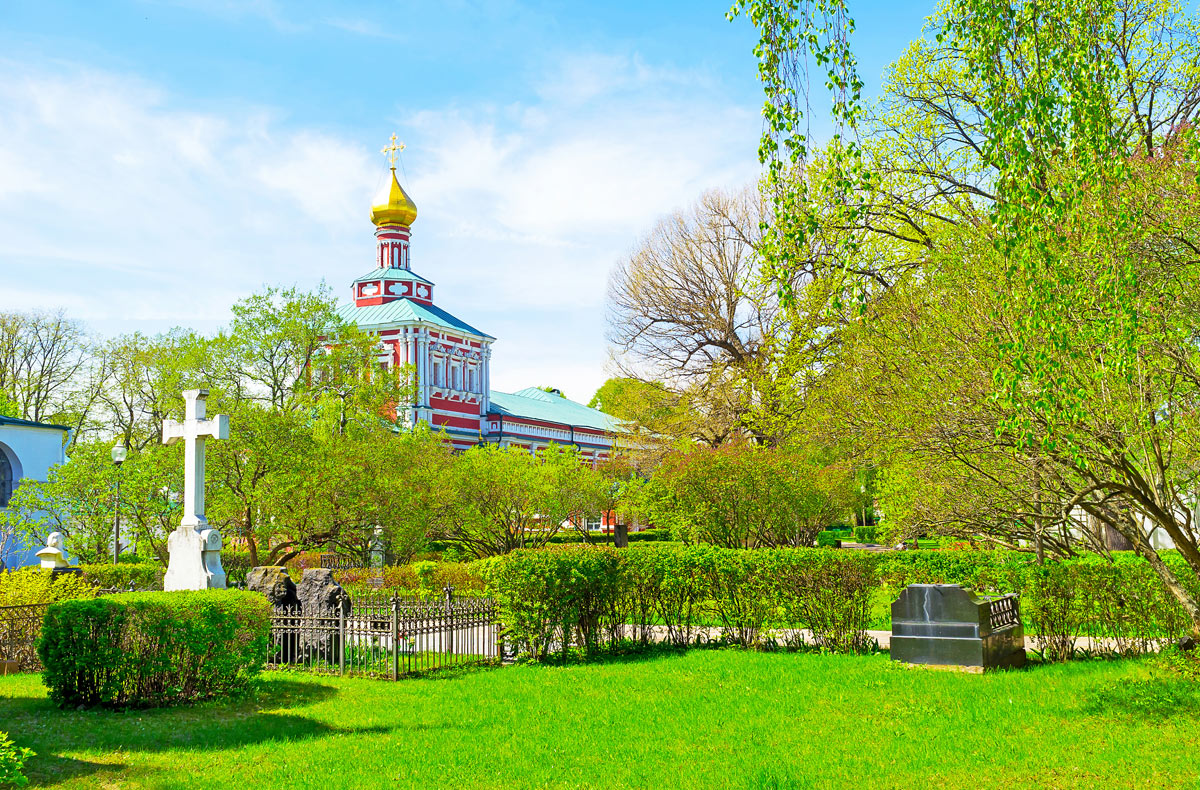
(195, 559)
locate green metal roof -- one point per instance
(392, 274)
(536, 404)
(405, 310)
(31, 424)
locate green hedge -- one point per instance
(463, 577)
(587, 596)
(36, 585)
(827, 538)
(866, 534)
(146, 575)
(153, 648)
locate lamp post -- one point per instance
(119, 453)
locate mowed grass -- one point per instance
(704, 719)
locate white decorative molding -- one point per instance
(370, 290)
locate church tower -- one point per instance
(449, 358)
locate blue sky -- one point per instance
(159, 160)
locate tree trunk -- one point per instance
(248, 534)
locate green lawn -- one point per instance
(709, 719)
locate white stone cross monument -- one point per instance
(195, 548)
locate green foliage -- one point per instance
(828, 538)
(828, 593)
(555, 596)
(740, 495)
(12, 760)
(142, 575)
(236, 564)
(151, 649)
(35, 585)
(418, 577)
(505, 498)
(584, 596)
(866, 534)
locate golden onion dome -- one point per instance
(392, 205)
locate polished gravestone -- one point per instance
(949, 625)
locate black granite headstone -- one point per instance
(950, 625)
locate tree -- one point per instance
(79, 499)
(740, 495)
(689, 312)
(497, 499)
(46, 370)
(920, 382)
(381, 485)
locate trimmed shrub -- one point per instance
(555, 596)
(667, 585)
(866, 534)
(829, 539)
(828, 593)
(741, 592)
(150, 649)
(146, 575)
(35, 585)
(551, 599)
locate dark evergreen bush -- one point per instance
(155, 648)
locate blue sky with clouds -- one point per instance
(159, 160)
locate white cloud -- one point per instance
(136, 212)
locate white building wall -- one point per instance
(32, 451)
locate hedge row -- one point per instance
(144, 649)
(588, 596)
(35, 585)
(122, 576)
(416, 577)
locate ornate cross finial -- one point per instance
(391, 151)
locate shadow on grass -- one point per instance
(213, 725)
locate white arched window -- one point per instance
(7, 479)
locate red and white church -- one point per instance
(451, 359)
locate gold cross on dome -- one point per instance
(391, 151)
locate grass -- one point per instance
(703, 719)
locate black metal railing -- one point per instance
(339, 563)
(386, 637)
(1004, 612)
(20, 630)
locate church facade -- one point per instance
(450, 358)
(28, 450)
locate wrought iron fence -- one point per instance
(20, 629)
(339, 563)
(1004, 612)
(387, 636)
